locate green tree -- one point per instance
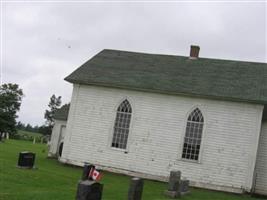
(28, 128)
(10, 101)
(20, 126)
(44, 130)
(53, 105)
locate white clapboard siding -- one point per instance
(57, 136)
(261, 167)
(228, 150)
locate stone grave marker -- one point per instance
(88, 189)
(136, 189)
(176, 186)
(26, 160)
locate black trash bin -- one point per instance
(26, 159)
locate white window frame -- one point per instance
(113, 124)
(203, 138)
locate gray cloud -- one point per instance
(44, 42)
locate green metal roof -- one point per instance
(203, 77)
(62, 113)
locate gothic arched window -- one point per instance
(193, 135)
(122, 125)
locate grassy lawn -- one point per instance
(54, 181)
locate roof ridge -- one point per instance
(173, 55)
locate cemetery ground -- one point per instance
(55, 181)
(27, 133)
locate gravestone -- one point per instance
(136, 189)
(177, 187)
(174, 183)
(26, 159)
(174, 180)
(89, 190)
(184, 187)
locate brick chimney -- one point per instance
(194, 51)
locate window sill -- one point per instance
(119, 150)
(190, 161)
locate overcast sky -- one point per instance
(44, 42)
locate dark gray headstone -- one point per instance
(26, 159)
(177, 187)
(184, 187)
(136, 189)
(89, 190)
(174, 180)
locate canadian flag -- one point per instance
(95, 175)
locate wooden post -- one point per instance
(136, 189)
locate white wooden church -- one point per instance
(145, 115)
